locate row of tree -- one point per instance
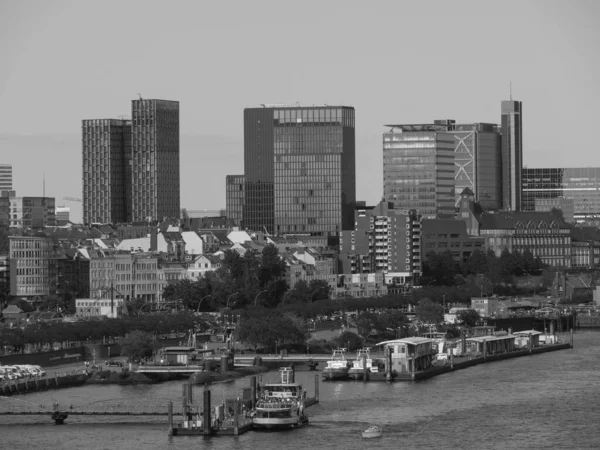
(441, 269)
(252, 279)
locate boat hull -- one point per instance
(279, 423)
(371, 434)
(335, 374)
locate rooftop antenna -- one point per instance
(510, 90)
(140, 96)
(43, 184)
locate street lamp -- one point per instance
(229, 298)
(257, 295)
(206, 296)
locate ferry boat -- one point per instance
(356, 372)
(337, 366)
(281, 405)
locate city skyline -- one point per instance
(54, 79)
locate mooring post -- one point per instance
(530, 343)
(484, 350)
(236, 417)
(451, 360)
(207, 419)
(316, 387)
(184, 402)
(170, 412)
(386, 361)
(571, 337)
(365, 368)
(253, 390)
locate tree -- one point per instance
(349, 340)
(272, 267)
(476, 264)
(468, 317)
(365, 323)
(137, 345)
(319, 289)
(429, 312)
(269, 329)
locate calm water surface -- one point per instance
(543, 401)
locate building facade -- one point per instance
(106, 148)
(299, 169)
(32, 212)
(442, 235)
(418, 169)
(155, 174)
(234, 193)
(6, 179)
(32, 266)
(582, 184)
(512, 154)
(478, 163)
(131, 167)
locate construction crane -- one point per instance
(73, 199)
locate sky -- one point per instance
(393, 61)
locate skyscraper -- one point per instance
(131, 167)
(512, 154)
(234, 188)
(106, 150)
(299, 169)
(418, 169)
(6, 181)
(155, 160)
(477, 163)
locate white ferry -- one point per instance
(281, 405)
(337, 366)
(356, 372)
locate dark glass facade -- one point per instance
(299, 167)
(418, 169)
(155, 173)
(106, 148)
(582, 184)
(512, 154)
(234, 192)
(477, 163)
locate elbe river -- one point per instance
(550, 400)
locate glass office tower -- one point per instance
(477, 163)
(234, 196)
(512, 154)
(155, 160)
(299, 168)
(582, 184)
(418, 169)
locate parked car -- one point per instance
(113, 362)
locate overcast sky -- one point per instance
(394, 61)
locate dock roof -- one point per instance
(409, 341)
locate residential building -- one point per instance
(543, 234)
(235, 189)
(359, 285)
(581, 184)
(155, 174)
(385, 240)
(6, 179)
(585, 247)
(478, 162)
(309, 264)
(32, 212)
(512, 154)
(94, 307)
(418, 169)
(299, 169)
(201, 265)
(106, 171)
(32, 266)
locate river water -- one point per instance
(550, 400)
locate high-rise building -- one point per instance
(581, 184)
(6, 178)
(32, 212)
(418, 169)
(299, 169)
(155, 172)
(106, 150)
(512, 154)
(234, 191)
(477, 163)
(131, 167)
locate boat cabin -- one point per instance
(491, 345)
(338, 359)
(523, 338)
(410, 355)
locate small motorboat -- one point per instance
(372, 432)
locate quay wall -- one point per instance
(588, 321)
(45, 359)
(14, 387)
